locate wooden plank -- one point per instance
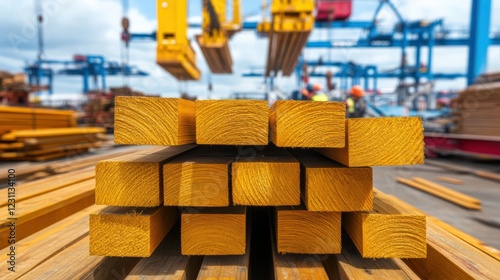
(134, 179)
(41, 211)
(299, 231)
(39, 247)
(45, 185)
(232, 122)
(478, 244)
(381, 142)
(266, 180)
(388, 231)
(227, 267)
(11, 146)
(37, 111)
(472, 205)
(447, 191)
(195, 180)
(307, 124)
(154, 121)
(75, 263)
(130, 232)
(50, 132)
(351, 265)
(330, 186)
(213, 231)
(450, 180)
(448, 257)
(167, 262)
(293, 266)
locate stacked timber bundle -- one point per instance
(14, 90)
(18, 118)
(477, 110)
(488, 78)
(49, 143)
(214, 188)
(234, 168)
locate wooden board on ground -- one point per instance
(45, 185)
(307, 124)
(167, 262)
(388, 231)
(450, 180)
(38, 247)
(130, 232)
(135, 179)
(443, 193)
(330, 186)
(381, 142)
(232, 122)
(213, 231)
(43, 210)
(351, 265)
(194, 180)
(266, 179)
(299, 231)
(154, 121)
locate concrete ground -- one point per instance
(484, 225)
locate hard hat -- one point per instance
(357, 91)
(317, 87)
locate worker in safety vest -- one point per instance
(318, 94)
(356, 105)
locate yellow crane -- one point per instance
(290, 26)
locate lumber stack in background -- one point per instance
(48, 143)
(477, 108)
(21, 118)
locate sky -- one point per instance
(93, 27)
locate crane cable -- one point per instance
(124, 48)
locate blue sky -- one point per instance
(93, 27)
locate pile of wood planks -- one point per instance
(477, 110)
(49, 143)
(19, 118)
(223, 209)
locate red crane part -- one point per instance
(342, 10)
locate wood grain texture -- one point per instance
(388, 231)
(351, 265)
(266, 180)
(154, 121)
(232, 122)
(36, 248)
(307, 124)
(294, 266)
(194, 180)
(381, 142)
(448, 257)
(227, 267)
(443, 193)
(299, 231)
(43, 210)
(45, 185)
(167, 262)
(135, 179)
(330, 186)
(213, 231)
(130, 232)
(74, 262)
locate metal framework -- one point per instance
(86, 66)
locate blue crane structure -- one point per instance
(86, 66)
(405, 34)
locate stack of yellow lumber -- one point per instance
(477, 110)
(188, 211)
(16, 118)
(235, 168)
(48, 143)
